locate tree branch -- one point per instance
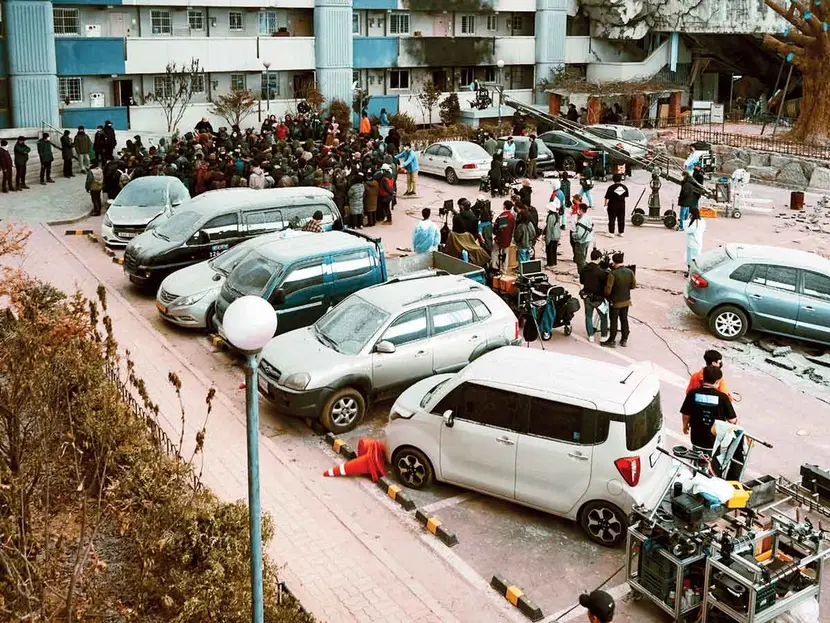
(785, 50)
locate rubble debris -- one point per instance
(823, 360)
(781, 351)
(767, 346)
(782, 363)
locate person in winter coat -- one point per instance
(694, 228)
(6, 166)
(386, 194)
(99, 146)
(82, 146)
(485, 229)
(340, 190)
(370, 198)
(44, 151)
(524, 236)
(686, 199)
(94, 185)
(356, 191)
(66, 153)
(495, 173)
(586, 182)
(553, 232)
(565, 185)
(257, 178)
(109, 132)
(21, 157)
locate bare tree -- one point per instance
(235, 106)
(428, 98)
(175, 90)
(360, 101)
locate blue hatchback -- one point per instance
(739, 287)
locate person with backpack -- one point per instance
(553, 230)
(586, 181)
(94, 185)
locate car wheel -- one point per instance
(344, 410)
(604, 523)
(412, 467)
(568, 163)
(451, 176)
(728, 322)
(210, 320)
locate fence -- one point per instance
(158, 435)
(712, 136)
(667, 123)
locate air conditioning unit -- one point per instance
(92, 30)
(96, 100)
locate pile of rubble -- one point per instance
(809, 365)
(816, 220)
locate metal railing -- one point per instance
(57, 132)
(668, 123)
(713, 136)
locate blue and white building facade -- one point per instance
(79, 62)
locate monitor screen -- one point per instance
(532, 267)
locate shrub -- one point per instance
(449, 108)
(342, 113)
(403, 122)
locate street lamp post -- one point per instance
(267, 64)
(500, 65)
(249, 323)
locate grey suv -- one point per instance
(378, 342)
(741, 286)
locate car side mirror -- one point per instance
(387, 348)
(449, 419)
(277, 297)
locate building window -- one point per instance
(399, 24)
(399, 79)
(517, 22)
(355, 23)
(195, 19)
(270, 80)
(467, 76)
(489, 74)
(69, 89)
(356, 78)
(160, 22)
(235, 21)
(66, 21)
(237, 82)
(197, 83)
(517, 74)
(468, 24)
(162, 87)
(267, 22)
(492, 23)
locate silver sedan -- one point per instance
(455, 160)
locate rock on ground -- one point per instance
(792, 175)
(820, 179)
(762, 173)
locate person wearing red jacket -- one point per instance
(386, 193)
(503, 228)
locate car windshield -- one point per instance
(471, 150)
(230, 259)
(349, 326)
(180, 226)
(252, 274)
(641, 428)
(603, 132)
(632, 134)
(428, 396)
(148, 192)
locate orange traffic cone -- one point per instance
(371, 462)
(365, 444)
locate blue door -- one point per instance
(773, 298)
(305, 296)
(814, 311)
(351, 271)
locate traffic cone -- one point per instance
(365, 444)
(371, 462)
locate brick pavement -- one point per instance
(344, 557)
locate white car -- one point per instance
(632, 139)
(138, 203)
(562, 434)
(455, 160)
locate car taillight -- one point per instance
(698, 281)
(516, 337)
(629, 469)
(471, 165)
(590, 154)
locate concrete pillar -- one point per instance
(638, 107)
(554, 104)
(674, 108)
(30, 44)
(551, 26)
(333, 48)
(593, 108)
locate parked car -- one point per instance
(739, 287)
(569, 436)
(187, 298)
(571, 151)
(138, 203)
(218, 220)
(545, 159)
(379, 341)
(455, 160)
(632, 139)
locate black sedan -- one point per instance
(570, 151)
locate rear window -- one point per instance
(603, 132)
(632, 134)
(641, 428)
(743, 273)
(712, 259)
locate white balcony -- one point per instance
(220, 54)
(515, 50)
(260, 4)
(632, 71)
(578, 51)
(506, 6)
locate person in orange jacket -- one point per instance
(365, 124)
(712, 358)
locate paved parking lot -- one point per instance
(547, 556)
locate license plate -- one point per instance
(128, 234)
(161, 307)
(263, 385)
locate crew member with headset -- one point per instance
(702, 407)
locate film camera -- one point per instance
(606, 263)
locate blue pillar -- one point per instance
(551, 26)
(33, 81)
(674, 49)
(333, 48)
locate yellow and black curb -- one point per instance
(340, 446)
(516, 596)
(79, 232)
(92, 237)
(218, 342)
(396, 493)
(118, 260)
(109, 251)
(434, 525)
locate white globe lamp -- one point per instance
(249, 323)
(500, 64)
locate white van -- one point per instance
(569, 436)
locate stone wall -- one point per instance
(790, 171)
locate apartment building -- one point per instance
(79, 62)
